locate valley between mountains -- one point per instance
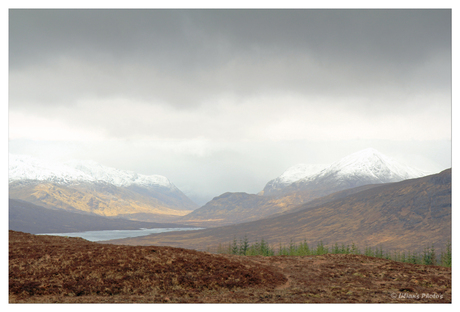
(365, 200)
(407, 215)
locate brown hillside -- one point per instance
(49, 269)
(232, 208)
(408, 215)
(30, 218)
(100, 199)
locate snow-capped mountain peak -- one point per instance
(372, 164)
(367, 166)
(22, 167)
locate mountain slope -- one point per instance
(30, 218)
(231, 208)
(410, 214)
(89, 187)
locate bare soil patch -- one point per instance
(58, 269)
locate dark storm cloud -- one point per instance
(225, 100)
(183, 57)
(196, 37)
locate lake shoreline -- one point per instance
(104, 235)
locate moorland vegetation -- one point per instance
(53, 269)
(263, 248)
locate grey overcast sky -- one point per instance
(225, 100)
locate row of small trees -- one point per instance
(262, 248)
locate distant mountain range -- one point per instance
(408, 215)
(301, 184)
(95, 190)
(86, 186)
(22, 167)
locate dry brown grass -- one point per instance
(59, 269)
(43, 266)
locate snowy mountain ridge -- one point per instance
(23, 167)
(300, 171)
(367, 166)
(293, 174)
(370, 163)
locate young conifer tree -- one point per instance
(234, 247)
(335, 249)
(244, 245)
(446, 256)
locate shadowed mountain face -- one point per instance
(407, 215)
(30, 218)
(230, 208)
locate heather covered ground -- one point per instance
(47, 269)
